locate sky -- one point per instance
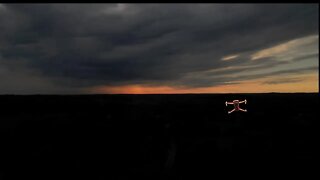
(158, 48)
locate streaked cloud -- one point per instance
(231, 57)
(284, 80)
(287, 48)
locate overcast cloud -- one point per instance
(63, 48)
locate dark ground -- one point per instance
(157, 136)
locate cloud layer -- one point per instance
(60, 48)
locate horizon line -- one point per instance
(84, 94)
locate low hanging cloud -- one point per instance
(76, 46)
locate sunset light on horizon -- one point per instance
(262, 85)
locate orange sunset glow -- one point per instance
(309, 84)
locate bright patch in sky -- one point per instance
(227, 58)
(290, 48)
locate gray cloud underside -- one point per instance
(205, 81)
(106, 44)
(284, 80)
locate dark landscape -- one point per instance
(157, 136)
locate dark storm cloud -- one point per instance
(80, 45)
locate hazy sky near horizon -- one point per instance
(158, 48)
